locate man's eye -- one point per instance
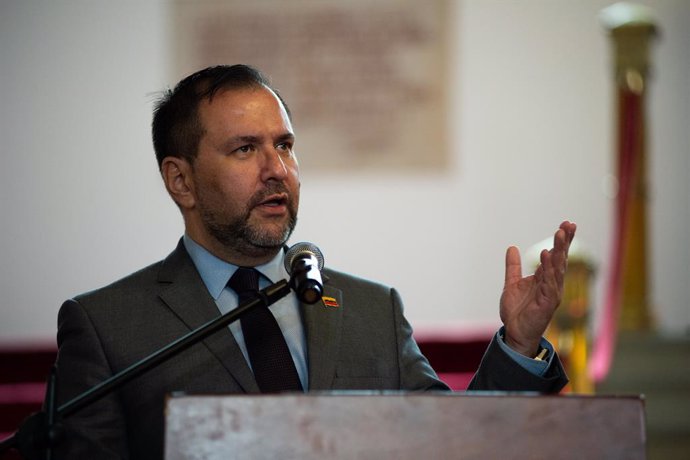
(244, 149)
(285, 146)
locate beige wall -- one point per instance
(531, 124)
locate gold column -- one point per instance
(631, 29)
(569, 330)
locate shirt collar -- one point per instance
(215, 272)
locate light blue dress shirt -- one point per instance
(215, 273)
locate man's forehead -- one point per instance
(242, 103)
(244, 111)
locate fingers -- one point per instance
(544, 259)
(550, 273)
(513, 266)
(561, 245)
(550, 280)
(559, 252)
(569, 228)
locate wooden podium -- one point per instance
(347, 425)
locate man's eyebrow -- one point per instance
(244, 140)
(237, 141)
(248, 139)
(288, 136)
(233, 142)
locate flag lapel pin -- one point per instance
(330, 301)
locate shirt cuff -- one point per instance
(533, 366)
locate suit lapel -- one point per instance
(323, 328)
(185, 294)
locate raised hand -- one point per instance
(528, 304)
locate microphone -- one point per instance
(304, 262)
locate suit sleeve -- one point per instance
(499, 372)
(97, 431)
(415, 371)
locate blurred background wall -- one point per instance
(531, 121)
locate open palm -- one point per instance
(528, 303)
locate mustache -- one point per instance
(272, 188)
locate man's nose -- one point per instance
(273, 165)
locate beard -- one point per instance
(238, 233)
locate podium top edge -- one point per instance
(412, 394)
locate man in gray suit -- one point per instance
(224, 143)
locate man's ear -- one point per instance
(177, 175)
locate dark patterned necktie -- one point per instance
(268, 352)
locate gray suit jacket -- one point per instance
(364, 343)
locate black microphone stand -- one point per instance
(41, 431)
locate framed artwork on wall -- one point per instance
(366, 82)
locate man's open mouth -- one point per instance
(275, 200)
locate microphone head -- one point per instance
(302, 249)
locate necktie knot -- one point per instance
(245, 282)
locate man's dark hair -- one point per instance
(176, 127)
